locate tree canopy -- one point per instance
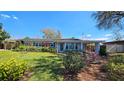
(117, 35)
(26, 37)
(109, 19)
(3, 34)
(50, 33)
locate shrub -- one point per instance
(73, 62)
(39, 49)
(115, 68)
(35, 49)
(117, 59)
(20, 48)
(31, 49)
(52, 50)
(45, 49)
(12, 70)
(102, 51)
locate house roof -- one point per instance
(64, 40)
(32, 39)
(115, 42)
(9, 40)
(93, 41)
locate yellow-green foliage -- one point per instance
(12, 69)
(115, 68)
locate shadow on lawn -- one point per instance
(48, 68)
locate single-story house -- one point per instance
(115, 46)
(62, 45)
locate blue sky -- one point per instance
(71, 24)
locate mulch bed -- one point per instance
(93, 72)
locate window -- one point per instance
(33, 43)
(52, 45)
(36, 44)
(72, 46)
(40, 44)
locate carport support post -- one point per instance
(81, 46)
(5, 45)
(57, 47)
(64, 47)
(97, 48)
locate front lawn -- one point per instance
(41, 65)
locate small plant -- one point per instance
(73, 62)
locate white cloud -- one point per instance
(5, 16)
(101, 38)
(108, 35)
(89, 35)
(14, 17)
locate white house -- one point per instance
(62, 45)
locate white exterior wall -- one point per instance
(114, 48)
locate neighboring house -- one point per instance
(62, 45)
(115, 46)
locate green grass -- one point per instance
(43, 65)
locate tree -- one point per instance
(59, 35)
(109, 19)
(117, 35)
(51, 34)
(3, 34)
(26, 37)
